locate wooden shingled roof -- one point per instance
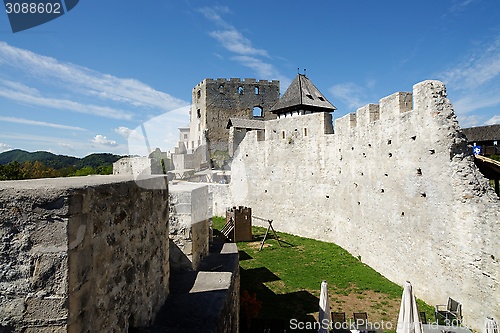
(482, 133)
(302, 94)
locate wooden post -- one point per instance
(270, 227)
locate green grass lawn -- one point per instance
(286, 281)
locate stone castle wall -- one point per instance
(395, 185)
(190, 214)
(138, 166)
(215, 101)
(82, 254)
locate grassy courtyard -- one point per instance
(284, 283)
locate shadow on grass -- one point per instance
(277, 310)
(244, 256)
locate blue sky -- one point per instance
(86, 80)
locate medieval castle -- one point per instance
(393, 183)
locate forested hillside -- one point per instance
(20, 164)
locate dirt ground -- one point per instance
(378, 306)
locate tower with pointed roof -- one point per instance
(301, 97)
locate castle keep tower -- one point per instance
(215, 101)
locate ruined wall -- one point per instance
(394, 185)
(215, 101)
(82, 254)
(190, 212)
(138, 166)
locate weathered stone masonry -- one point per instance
(215, 101)
(395, 185)
(85, 254)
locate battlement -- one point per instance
(387, 110)
(244, 81)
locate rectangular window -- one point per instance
(283, 134)
(305, 131)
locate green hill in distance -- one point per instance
(58, 161)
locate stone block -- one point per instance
(345, 124)
(367, 115)
(45, 309)
(50, 273)
(50, 234)
(47, 329)
(395, 104)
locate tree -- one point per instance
(85, 171)
(11, 171)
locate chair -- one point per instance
(451, 311)
(423, 317)
(360, 318)
(338, 320)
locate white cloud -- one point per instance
(75, 147)
(63, 104)
(18, 86)
(458, 6)
(67, 146)
(123, 131)
(350, 94)
(230, 38)
(234, 41)
(39, 123)
(472, 102)
(4, 147)
(84, 80)
(263, 69)
(213, 15)
(103, 141)
(467, 121)
(493, 120)
(480, 67)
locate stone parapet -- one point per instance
(83, 254)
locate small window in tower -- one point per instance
(185, 136)
(309, 96)
(258, 112)
(256, 90)
(198, 94)
(198, 113)
(240, 90)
